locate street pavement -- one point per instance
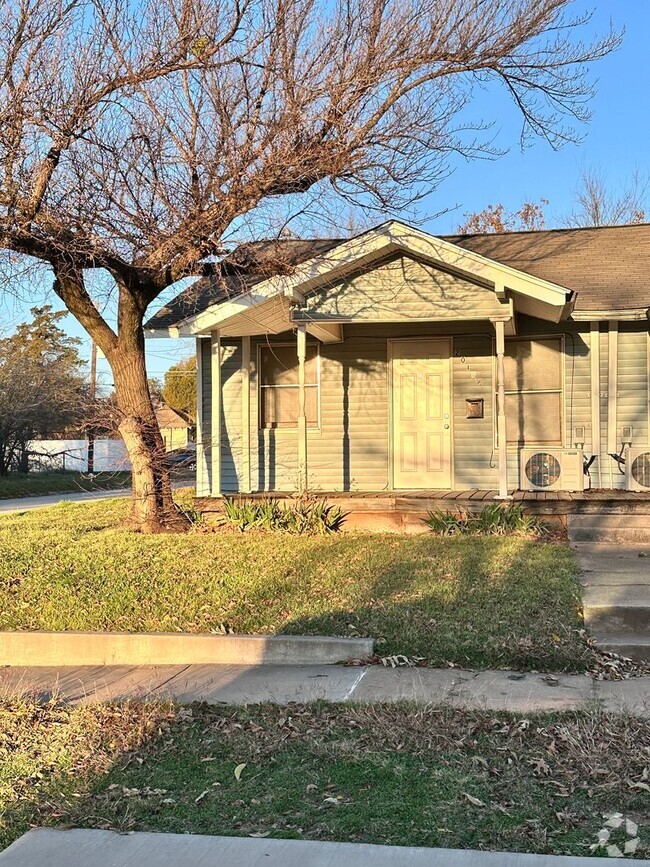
(26, 504)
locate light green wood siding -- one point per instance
(351, 448)
(472, 377)
(402, 289)
(231, 432)
(633, 381)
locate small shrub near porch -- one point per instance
(301, 516)
(493, 520)
(511, 601)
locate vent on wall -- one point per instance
(551, 469)
(637, 469)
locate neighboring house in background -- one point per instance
(402, 361)
(176, 430)
(110, 455)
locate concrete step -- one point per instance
(609, 619)
(608, 577)
(634, 645)
(614, 561)
(610, 522)
(611, 507)
(620, 535)
(620, 529)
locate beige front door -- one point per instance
(421, 402)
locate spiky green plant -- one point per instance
(492, 520)
(300, 516)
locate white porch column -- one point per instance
(202, 485)
(246, 414)
(215, 427)
(594, 357)
(302, 410)
(499, 327)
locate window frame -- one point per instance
(516, 446)
(260, 386)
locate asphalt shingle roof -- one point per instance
(257, 262)
(608, 267)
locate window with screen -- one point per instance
(279, 397)
(533, 380)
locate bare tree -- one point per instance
(598, 203)
(136, 136)
(495, 218)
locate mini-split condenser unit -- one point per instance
(549, 469)
(637, 469)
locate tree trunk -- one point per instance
(23, 458)
(152, 508)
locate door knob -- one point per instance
(446, 427)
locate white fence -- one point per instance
(110, 455)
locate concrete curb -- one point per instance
(162, 648)
(77, 847)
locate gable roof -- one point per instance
(168, 417)
(607, 266)
(262, 260)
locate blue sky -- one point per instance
(616, 140)
(615, 143)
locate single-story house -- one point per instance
(401, 361)
(176, 429)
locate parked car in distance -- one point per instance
(184, 458)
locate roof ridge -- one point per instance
(557, 229)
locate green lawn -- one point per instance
(392, 775)
(35, 484)
(484, 602)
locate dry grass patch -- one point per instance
(394, 775)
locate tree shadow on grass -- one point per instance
(474, 601)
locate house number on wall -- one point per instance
(463, 361)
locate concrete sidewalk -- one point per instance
(79, 848)
(234, 684)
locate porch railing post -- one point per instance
(302, 410)
(499, 327)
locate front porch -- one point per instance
(403, 511)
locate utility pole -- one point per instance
(92, 391)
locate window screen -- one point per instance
(533, 380)
(279, 391)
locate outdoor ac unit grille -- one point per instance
(640, 469)
(543, 470)
(551, 469)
